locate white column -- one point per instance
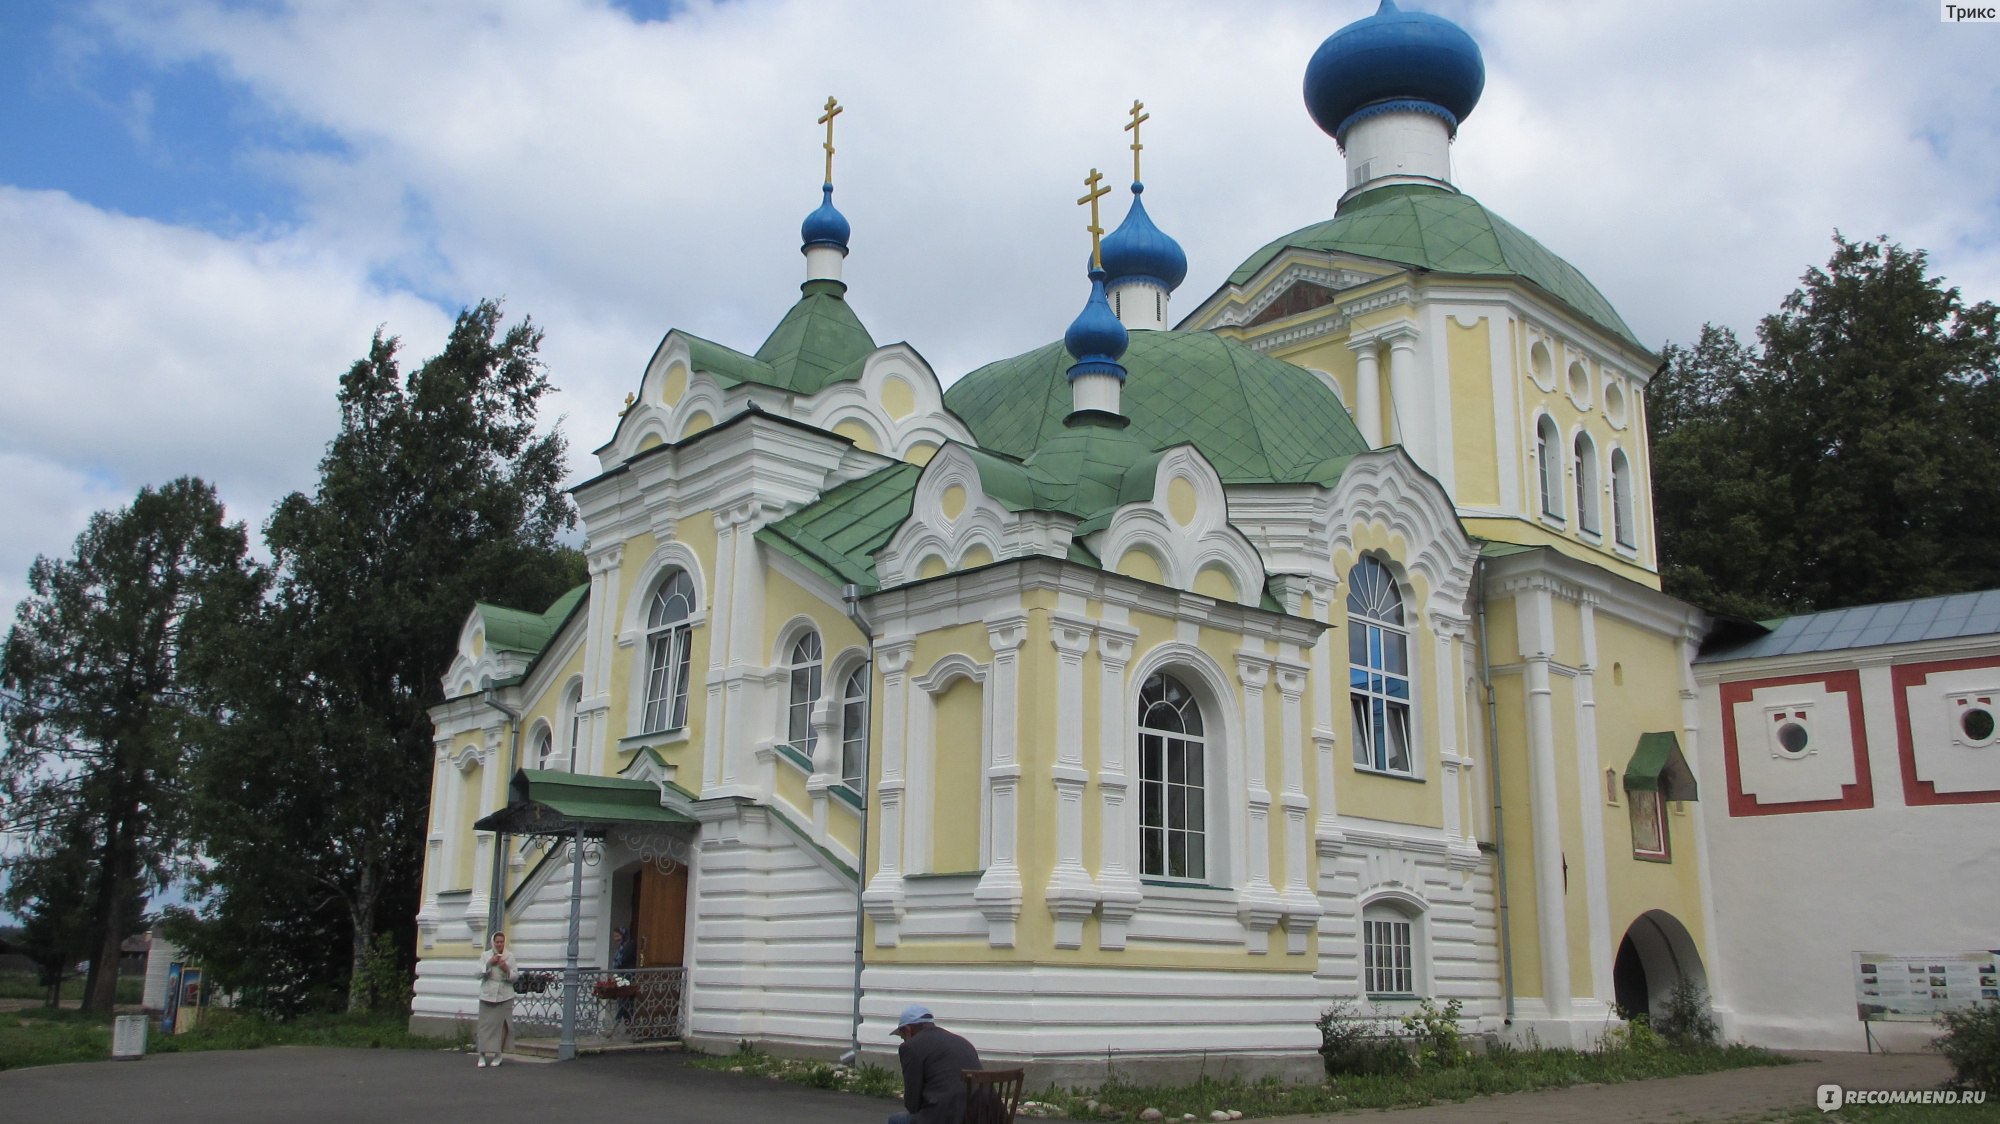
(1302, 908)
(1535, 620)
(1072, 893)
(1257, 904)
(718, 768)
(1328, 697)
(1367, 392)
(883, 900)
(999, 893)
(1407, 405)
(1117, 874)
(440, 823)
(606, 568)
(1590, 783)
(492, 793)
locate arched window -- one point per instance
(1378, 656)
(805, 692)
(1586, 484)
(574, 703)
(545, 748)
(854, 730)
(1549, 463)
(1621, 500)
(1173, 787)
(667, 638)
(1389, 947)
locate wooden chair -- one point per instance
(993, 1096)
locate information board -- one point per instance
(1904, 987)
(128, 1036)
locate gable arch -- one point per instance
(1387, 490)
(668, 555)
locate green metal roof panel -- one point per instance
(1658, 766)
(728, 365)
(543, 801)
(837, 535)
(1256, 419)
(819, 338)
(513, 630)
(1449, 232)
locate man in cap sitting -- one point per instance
(933, 1063)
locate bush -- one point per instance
(1435, 1033)
(383, 986)
(1971, 1043)
(1634, 1037)
(1357, 1045)
(1687, 1022)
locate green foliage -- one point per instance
(384, 984)
(1687, 1022)
(50, 1037)
(1971, 1043)
(1844, 459)
(103, 699)
(1352, 1043)
(1434, 1031)
(1635, 1036)
(437, 491)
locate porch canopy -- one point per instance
(1657, 766)
(546, 802)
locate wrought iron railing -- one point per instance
(635, 1004)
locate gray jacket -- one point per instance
(933, 1082)
(496, 979)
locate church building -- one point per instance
(1137, 696)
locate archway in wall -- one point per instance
(652, 902)
(1657, 953)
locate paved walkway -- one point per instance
(1733, 1095)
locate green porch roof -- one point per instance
(837, 535)
(1445, 231)
(1257, 419)
(546, 802)
(513, 630)
(1658, 766)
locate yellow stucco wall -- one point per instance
(959, 778)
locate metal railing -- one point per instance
(629, 1004)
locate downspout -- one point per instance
(496, 903)
(1493, 775)
(851, 594)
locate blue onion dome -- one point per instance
(1394, 60)
(1140, 251)
(1096, 339)
(825, 226)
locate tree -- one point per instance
(436, 492)
(1848, 458)
(102, 676)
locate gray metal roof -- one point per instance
(1872, 626)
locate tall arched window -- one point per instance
(805, 692)
(1621, 500)
(545, 748)
(574, 703)
(1586, 483)
(667, 638)
(1389, 941)
(1378, 656)
(854, 730)
(1173, 785)
(1549, 463)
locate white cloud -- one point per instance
(616, 179)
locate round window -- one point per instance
(1542, 365)
(1614, 403)
(1977, 723)
(1579, 384)
(1792, 737)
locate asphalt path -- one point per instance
(313, 1084)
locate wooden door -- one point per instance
(660, 918)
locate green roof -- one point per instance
(545, 801)
(820, 341)
(1257, 419)
(1658, 766)
(1446, 231)
(512, 630)
(837, 535)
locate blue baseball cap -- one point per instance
(913, 1015)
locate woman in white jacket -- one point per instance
(496, 1001)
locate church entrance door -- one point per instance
(659, 917)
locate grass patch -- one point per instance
(22, 985)
(1503, 1071)
(44, 1037)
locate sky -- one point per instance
(208, 206)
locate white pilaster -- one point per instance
(606, 570)
(1117, 876)
(883, 900)
(1302, 906)
(999, 892)
(718, 748)
(1407, 405)
(1597, 899)
(1258, 905)
(1535, 622)
(1367, 392)
(1072, 893)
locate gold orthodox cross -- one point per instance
(1093, 191)
(1133, 128)
(833, 110)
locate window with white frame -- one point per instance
(1621, 500)
(668, 636)
(804, 673)
(1388, 950)
(854, 730)
(545, 747)
(1585, 451)
(1378, 656)
(1548, 462)
(1173, 781)
(574, 702)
